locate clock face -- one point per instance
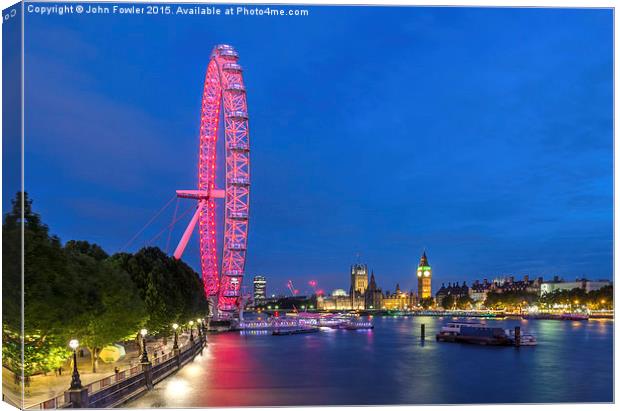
(419, 273)
(427, 273)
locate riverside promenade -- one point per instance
(48, 391)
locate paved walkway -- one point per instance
(45, 387)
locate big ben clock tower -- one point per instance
(425, 274)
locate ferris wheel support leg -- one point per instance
(188, 232)
(213, 312)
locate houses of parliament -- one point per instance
(364, 294)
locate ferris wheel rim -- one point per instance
(224, 89)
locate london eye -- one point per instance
(223, 92)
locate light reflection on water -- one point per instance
(390, 365)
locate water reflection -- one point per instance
(391, 365)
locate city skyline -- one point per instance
(498, 159)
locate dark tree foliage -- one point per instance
(171, 290)
(84, 247)
(448, 302)
(464, 302)
(599, 299)
(11, 266)
(427, 302)
(50, 299)
(112, 309)
(510, 299)
(69, 292)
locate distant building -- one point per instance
(399, 300)
(425, 274)
(339, 292)
(359, 282)
(584, 284)
(507, 284)
(455, 290)
(479, 290)
(260, 289)
(365, 295)
(374, 296)
(339, 300)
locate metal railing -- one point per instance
(126, 379)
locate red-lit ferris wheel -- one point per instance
(223, 89)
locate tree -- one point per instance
(464, 302)
(84, 247)
(51, 301)
(510, 299)
(448, 302)
(427, 302)
(172, 292)
(112, 309)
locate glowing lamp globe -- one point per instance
(175, 326)
(74, 344)
(143, 332)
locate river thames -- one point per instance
(573, 362)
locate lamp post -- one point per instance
(76, 383)
(198, 327)
(175, 346)
(191, 333)
(145, 357)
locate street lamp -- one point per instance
(175, 346)
(76, 384)
(191, 334)
(198, 326)
(145, 357)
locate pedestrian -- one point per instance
(116, 370)
(59, 370)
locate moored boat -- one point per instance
(483, 335)
(449, 331)
(574, 316)
(292, 331)
(526, 339)
(357, 325)
(550, 316)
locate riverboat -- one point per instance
(449, 331)
(550, 316)
(294, 331)
(483, 335)
(357, 325)
(477, 333)
(525, 339)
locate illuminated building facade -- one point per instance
(425, 274)
(359, 278)
(399, 300)
(366, 295)
(584, 284)
(339, 300)
(260, 289)
(359, 283)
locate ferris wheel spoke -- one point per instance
(188, 232)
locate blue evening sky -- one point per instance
(481, 135)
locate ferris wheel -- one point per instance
(224, 90)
